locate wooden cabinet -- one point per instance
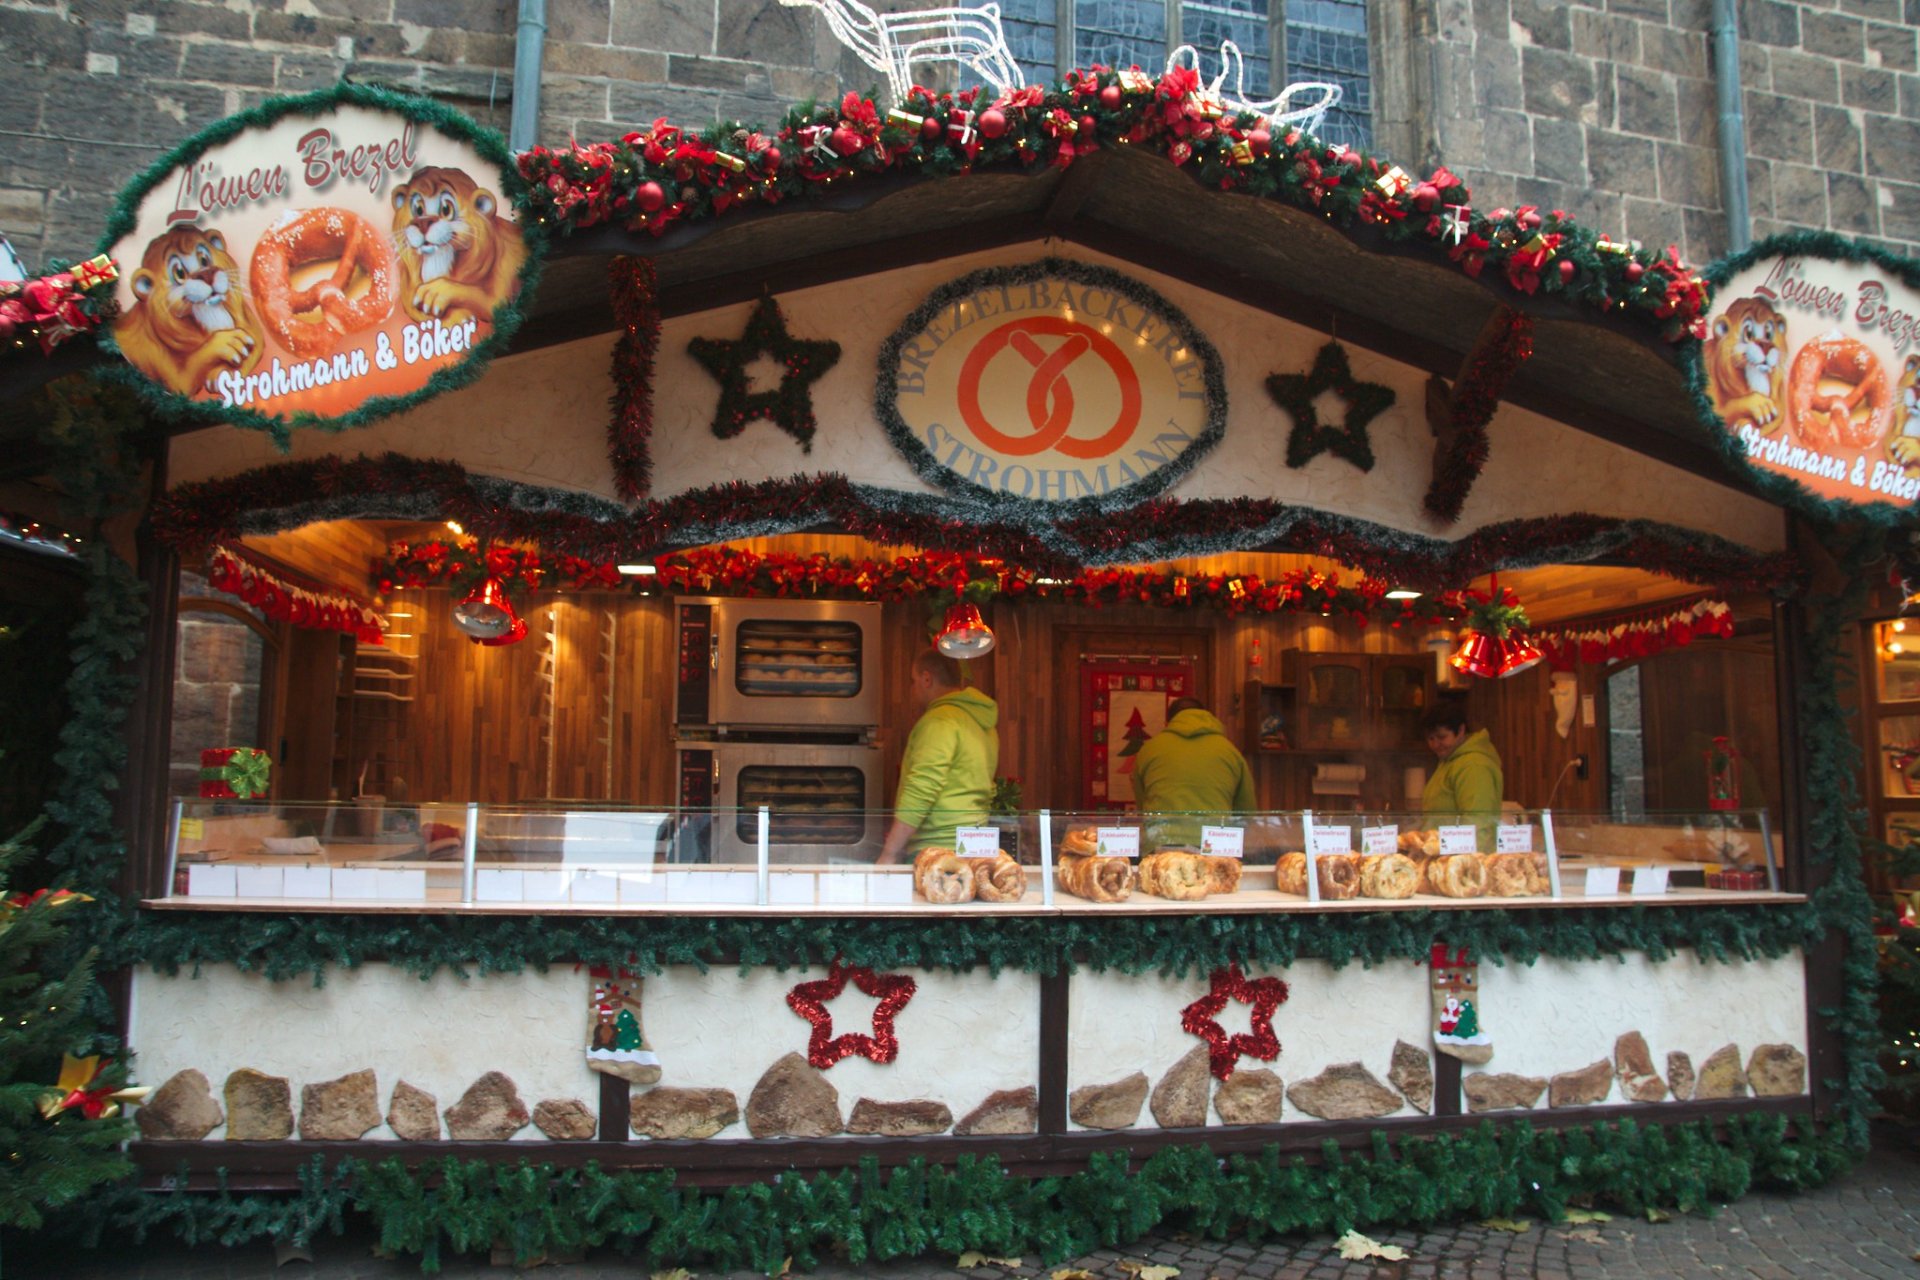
(1345, 702)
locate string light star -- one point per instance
(1201, 1018)
(788, 406)
(809, 1000)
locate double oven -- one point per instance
(777, 704)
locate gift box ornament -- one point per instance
(234, 773)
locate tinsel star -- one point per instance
(1295, 393)
(788, 406)
(809, 1000)
(1201, 1018)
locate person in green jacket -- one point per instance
(1191, 770)
(946, 776)
(1468, 784)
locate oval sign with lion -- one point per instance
(334, 262)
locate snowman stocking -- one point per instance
(614, 1042)
(1455, 988)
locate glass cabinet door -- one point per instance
(1403, 689)
(1333, 697)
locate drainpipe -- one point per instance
(1733, 125)
(528, 47)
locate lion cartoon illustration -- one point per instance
(1745, 370)
(458, 258)
(190, 314)
(1903, 446)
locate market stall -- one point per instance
(599, 726)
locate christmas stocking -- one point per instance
(614, 1042)
(1457, 1028)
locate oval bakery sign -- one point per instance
(1054, 382)
(327, 261)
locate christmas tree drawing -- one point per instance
(1135, 737)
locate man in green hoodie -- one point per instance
(1468, 784)
(946, 776)
(1190, 772)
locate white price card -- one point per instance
(261, 882)
(1602, 882)
(360, 882)
(594, 886)
(1332, 842)
(1649, 880)
(1375, 841)
(308, 882)
(1459, 840)
(1224, 842)
(1116, 842)
(489, 885)
(977, 842)
(1516, 839)
(205, 880)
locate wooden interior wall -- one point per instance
(1517, 713)
(336, 552)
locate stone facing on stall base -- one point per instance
(1721, 1075)
(1680, 1077)
(1412, 1075)
(1777, 1071)
(1501, 1091)
(793, 1100)
(1179, 1101)
(181, 1110)
(1115, 1105)
(413, 1114)
(915, 1118)
(340, 1110)
(489, 1111)
(565, 1120)
(1582, 1088)
(1252, 1095)
(1005, 1111)
(259, 1107)
(1633, 1062)
(683, 1113)
(1347, 1091)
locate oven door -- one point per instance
(794, 662)
(822, 802)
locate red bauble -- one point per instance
(650, 196)
(770, 159)
(1088, 125)
(931, 128)
(1566, 271)
(993, 123)
(1111, 97)
(846, 141)
(809, 1000)
(1261, 141)
(1635, 271)
(1425, 196)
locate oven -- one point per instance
(793, 664)
(822, 800)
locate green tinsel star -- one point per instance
(1296, 392)
(788, 406)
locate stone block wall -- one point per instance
(1601, 107)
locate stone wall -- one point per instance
(1602, 107)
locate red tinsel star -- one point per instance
(1201, 1018)
(809, 1000)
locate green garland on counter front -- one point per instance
(870, 1214)
(282, 946)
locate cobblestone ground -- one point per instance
(1866, 1225)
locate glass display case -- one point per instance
(489, 858)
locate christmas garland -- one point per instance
(733, 571)
(1603, 643)
(636, 310)
(282, 601)
(1475, 398)
(506, 317)
(36, 535)
(393, 486)
(657, 178)
(887, 387)
(47, 311)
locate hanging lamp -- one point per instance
(964, 634)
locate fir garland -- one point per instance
(886, 390)
(636, 310)
(788, 406)
(1470, 408)
(506, 317)
(1295, 393)
(393, 486)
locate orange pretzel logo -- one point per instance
(1049, 395)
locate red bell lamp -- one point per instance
(487, 616)
(965, 634)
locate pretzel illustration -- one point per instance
(317, 236)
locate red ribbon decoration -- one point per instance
(1201, 1018)
(809, 1000)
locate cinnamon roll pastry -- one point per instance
(1420, 844)
(942, 876)
(1223, 874)
(1095, 879)
(1389, 875)
(1171, 873)
(1079, 842)
(1339, 876)
(1462, 875)
(999, 880)
(1290, 873)
(1517, 875)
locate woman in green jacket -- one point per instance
(1468, 784)
(946, 776)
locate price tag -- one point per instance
(977, 842)
(1649, 880)
(1116, 842)
(1459, 840)
(1224, 842)
(1602, 882)
(1516, 839)
(1332, 842)
(1376, 841)
(193, 828)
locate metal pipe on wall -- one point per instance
(1733, 125)
(529, 50)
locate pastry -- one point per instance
(1096, 879)
(1079, 842)
(1339, 876)
(1389, 875)
(1290, 873)
(942, 876)
(1420, 844)
(1175, 874)
(1517, 875)
(1223, 874)
(1462, 875)
(999, 880)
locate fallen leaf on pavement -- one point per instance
(1354, 1247)
(1586, 1234)
(1147, 1270)
(1578, 1216)
(1519, 1226)
(974, 1258)
(1658, 1215)
(1072, 1273)
(678, 1273)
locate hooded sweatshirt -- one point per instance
(1468, 782)
(946, 776)
(1190, 767)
